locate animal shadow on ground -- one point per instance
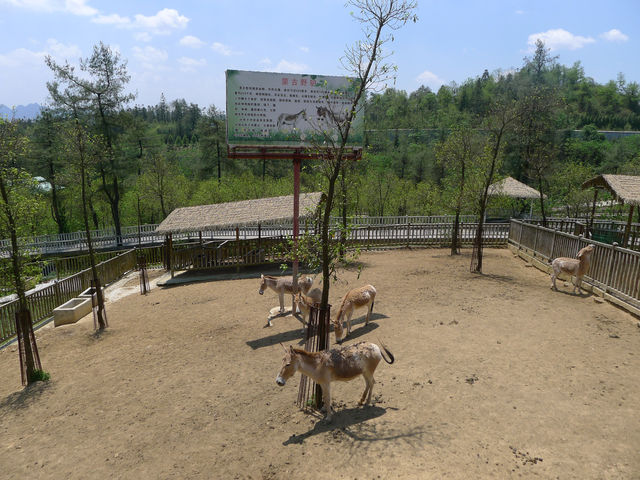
(352, 425)
(274, 339)
(25, 397)
(342, 419)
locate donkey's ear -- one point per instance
(261, 276)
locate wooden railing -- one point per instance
(613, 269)
(427, 234)
(42, 302)
(132, 237)
(606, 231)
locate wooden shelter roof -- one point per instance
(625, 188)
(511, 187)
(236, 214)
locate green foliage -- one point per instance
(39, 376)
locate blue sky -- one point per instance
(182, 48)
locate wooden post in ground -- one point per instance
(296, 224)
(627, 228)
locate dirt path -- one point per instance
(496, 376)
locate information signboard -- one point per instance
(288, 109)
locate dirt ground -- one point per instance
(496, 376)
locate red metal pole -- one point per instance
(296, 211)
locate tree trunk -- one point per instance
(16, 269)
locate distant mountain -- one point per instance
(24, 112)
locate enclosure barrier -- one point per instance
(134, 236)
(605, 231)
(42, 302)
(249, 252)
(615, 271)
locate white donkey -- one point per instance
(343, 363)
(282, 285)
(356, 298)
(578, 267)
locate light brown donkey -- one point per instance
(342, 363)
(578, 267)
(282, 285)
(305, 302)
(356, 298)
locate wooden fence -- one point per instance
(42, 302)
(605, 231)
(212, 255)
(614, 270)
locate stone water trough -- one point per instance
(71, 311)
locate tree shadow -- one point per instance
(25, 397)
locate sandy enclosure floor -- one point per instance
(496, 376)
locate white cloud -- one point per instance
(79, 7)
(191, 41)
(304, 49)
(265, 61)
(188, 64)
(149, 56)
(430, 79)
(113, 19)
(143, 36)
(61, 51)
(163, 22)
(20, 57)
(25, 57)
(221, 49)
(520, 12)
(75, 7)
(614, 35)
(291, 67)
(557, 39)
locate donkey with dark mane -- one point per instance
(282, 285)
(343, 364)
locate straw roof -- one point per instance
(235, 214)
(511, 187)
(626, 188)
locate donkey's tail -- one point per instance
(388, 352)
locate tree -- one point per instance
(102, 96)
(497, 125)
(535, 131)
(457, 155)
(49, 164)
(83, 150)
(367, 62)
(17, 204)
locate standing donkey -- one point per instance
(282, 285)
(356, 298)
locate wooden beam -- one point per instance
(627, 228)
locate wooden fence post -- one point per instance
(612, 264)
(553, 245)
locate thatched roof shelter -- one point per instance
(236, 214)
(510, 187)
(625, 188)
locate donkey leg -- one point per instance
(326, 399)
(369, 381)
(281, 299)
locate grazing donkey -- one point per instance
(343, 363)
(578, 267)
(356, 298)
(282, 285)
